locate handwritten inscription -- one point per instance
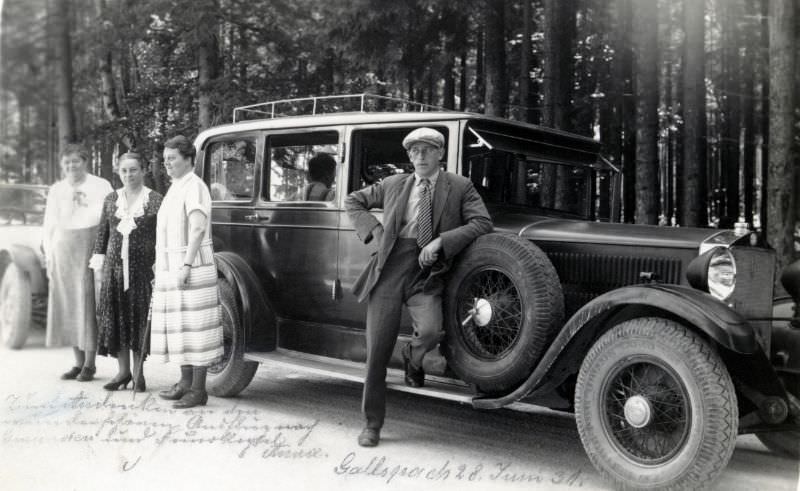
(381, 468)
(81, 418)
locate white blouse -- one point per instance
(74, 207)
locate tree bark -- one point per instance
(731, 109)
(64, 94)
(748, 113)
(525, 63)
(645, 49)
(559, 33)
(104, 60)
(208, 66)
(694, 112)
(496, 81)
(780, 195)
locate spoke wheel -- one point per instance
(647, 412)
(503, 304)
(655, 407)
(492, 309)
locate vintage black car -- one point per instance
(661, 340)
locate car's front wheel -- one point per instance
(15, 306)
(655, 406)
(233, 373)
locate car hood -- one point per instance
(541, 228)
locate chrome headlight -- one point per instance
(714, 272)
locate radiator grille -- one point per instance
(585, 276)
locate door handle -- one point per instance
(255, 218)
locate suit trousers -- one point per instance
(400, 283)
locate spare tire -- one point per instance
(503, 305)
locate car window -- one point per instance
(22, 206)
(231, 167)
(513, 176)
(302, 167)
(379, 153)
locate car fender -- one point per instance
(29, 261)
(697, 309)
(259, 322)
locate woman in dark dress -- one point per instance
(125, 251)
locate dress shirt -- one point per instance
(409, 224)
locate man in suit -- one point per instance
(430, 216)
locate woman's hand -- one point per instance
(183, 276)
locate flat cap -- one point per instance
(425, 135)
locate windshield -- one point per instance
(516, 170)
(22, 206)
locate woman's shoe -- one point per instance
(119, 384)
(175, 393)
(192, 398)
(140, 386)
(71, 374)
(87, 374)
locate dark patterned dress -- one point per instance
(121, 313)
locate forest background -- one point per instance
(696, 101)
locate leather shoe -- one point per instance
(192, 398)
(175, 393)
(415, 377)
(87, 374)
(72, 374)
(369, 437)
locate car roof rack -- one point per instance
(329, 104)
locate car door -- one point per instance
(230, 170)
(296, 232)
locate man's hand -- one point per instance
(430, 253)
(377, 234)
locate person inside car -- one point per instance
(321, 174)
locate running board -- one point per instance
(438, 387)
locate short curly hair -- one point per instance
(183, 145)
(75, 149)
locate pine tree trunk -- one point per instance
(694, 113)
(208, 64)
(731, 111)
(66, 111)
(780, 193)
(559, 33)
(645, 46)
(748, 114)
(496, 81)
(525, 63)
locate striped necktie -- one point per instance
(424, 222)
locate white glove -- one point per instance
(96, 261)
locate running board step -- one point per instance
(439, 387)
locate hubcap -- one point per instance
(491, 311)
(481, 314)
(637, 412)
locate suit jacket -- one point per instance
(459, 216)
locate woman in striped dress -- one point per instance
(186, 325)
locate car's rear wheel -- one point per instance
(503, 303)
(655, 407)
(15, 306)
(233, 373)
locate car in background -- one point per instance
(23, 280)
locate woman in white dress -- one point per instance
(186, 326)
(74, 207)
